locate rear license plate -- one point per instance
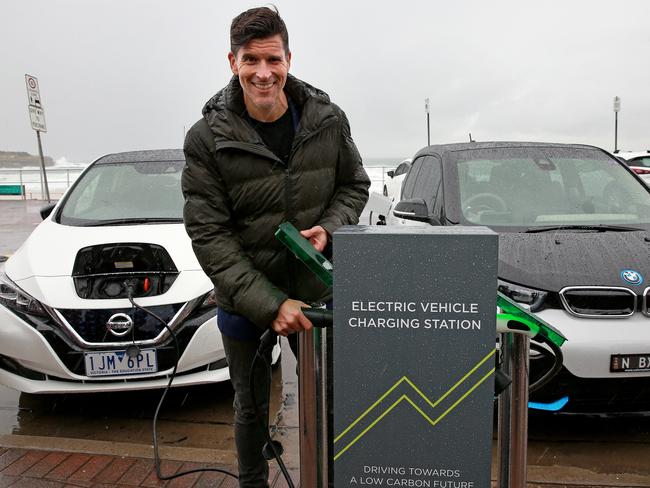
(621, 363)
(111, 363)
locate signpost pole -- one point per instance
(37, 119)
(617, 108)
(426, 108)
(43, 173)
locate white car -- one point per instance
(66, 323)
(393, 185)
(639, 162)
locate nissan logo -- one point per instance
(119, 324)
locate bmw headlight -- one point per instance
(15, 299)
(529, 298)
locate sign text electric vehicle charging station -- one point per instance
(414, 346)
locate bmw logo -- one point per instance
(632, 277)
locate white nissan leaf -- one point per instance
(66, 323)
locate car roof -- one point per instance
(441, 149)
(144, 155)
(633, 154)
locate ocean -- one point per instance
(61, 176)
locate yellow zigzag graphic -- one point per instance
(433, 405)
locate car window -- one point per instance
(138, 190)
(411, 178)
(642, 161)
(537, 186)
(402, 168)
(428, 181)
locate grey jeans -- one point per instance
(249, 436)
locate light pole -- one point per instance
(426, 109)
(617, 108)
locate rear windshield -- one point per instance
(541, 186)
(125, 192)
(642, 161)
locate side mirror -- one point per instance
(47, 210)
(391, 173)
(415, 209)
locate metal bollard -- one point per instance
(513, 413)
(313, 413)
(307, 410)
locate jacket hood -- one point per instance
(552, 260)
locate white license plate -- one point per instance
(111, 363)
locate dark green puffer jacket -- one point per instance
(237, 193)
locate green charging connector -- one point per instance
(305, 252)
(516, 319)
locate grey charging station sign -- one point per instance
(414, 356)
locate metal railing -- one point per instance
(378, 176)
(59, 179)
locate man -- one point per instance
(269, 148)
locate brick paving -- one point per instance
(25, 468)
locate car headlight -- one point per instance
(15, 299)
(529, 298)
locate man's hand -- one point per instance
(290, 318)
(317, 236)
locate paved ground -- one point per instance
(104, 440)
(53, 469)
(17, 220)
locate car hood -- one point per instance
(552, 260)
(51, 249)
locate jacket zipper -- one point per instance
(297, 142)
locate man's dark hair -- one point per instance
(257, 23)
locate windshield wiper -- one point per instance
(132, 221)
(593, 227)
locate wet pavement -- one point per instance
(113, 431)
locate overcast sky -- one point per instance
(120, 75)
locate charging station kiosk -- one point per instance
(414, 356)
(414, 361)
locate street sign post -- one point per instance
(37, 119)
(426, 109)
(617, 109)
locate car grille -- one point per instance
(90, 324)
(596, 301)
(73, 357)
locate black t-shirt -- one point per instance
(277, 135)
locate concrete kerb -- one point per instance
(122, 449)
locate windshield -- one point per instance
(132, 191)
(546, 186)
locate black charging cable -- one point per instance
(130, 290)
(558, 360)
(272, 448)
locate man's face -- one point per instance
(262, 66)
